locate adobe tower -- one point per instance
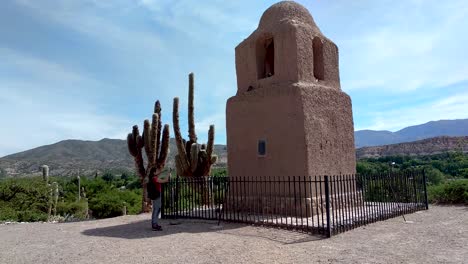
(289, 116)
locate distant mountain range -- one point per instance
(427, 146)
(454, 128)
(70, 157)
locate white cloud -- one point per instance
(450, 107)
(202, 126)
(89, 17)
(32, 119)
(28, 67)
(412, 46)
(36, 111)
(181, 14)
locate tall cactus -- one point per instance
(156, 149)
(55, 190)
(79, 187)
(193, 159)
(45, 173)
(45, 177)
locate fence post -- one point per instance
(176, 215)
(163, 188)
(425, 190)
(327, 203)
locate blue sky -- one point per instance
(90, 69)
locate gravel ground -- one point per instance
(439, 235)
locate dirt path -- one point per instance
(439, 235)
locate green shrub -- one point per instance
(219, 172)
(7, 213)
(451, 192)
(75, 209)
(24, 199)
(111, 203)
(31, 216)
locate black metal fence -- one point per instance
(324, 205)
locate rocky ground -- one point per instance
(439, 235)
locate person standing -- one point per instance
(154, 193)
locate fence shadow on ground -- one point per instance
(141, 229)
(283, 236)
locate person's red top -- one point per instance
(157, 185)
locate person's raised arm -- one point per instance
(165, 179)
(162, 180)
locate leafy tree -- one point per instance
(24, 199)
(434, 176)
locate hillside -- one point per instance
(78, 156)
(421, 147)
(453, 128)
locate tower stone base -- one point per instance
(290, 206)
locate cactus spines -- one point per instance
(45, 173)
(156, 149)
(192, 159)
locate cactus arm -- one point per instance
(131, 145)
(135, 144)
(157, 110)
(210, 144)
(164, 147)
(203, 163)
(188, 148)
(147, 139)
(194, 156)
(178, 164)
(154, 133)
(191, 108)
(178, 137)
